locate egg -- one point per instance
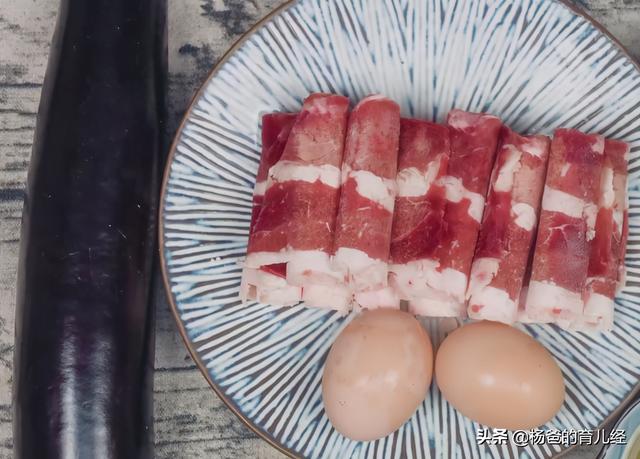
(377, 373)
(499, 376)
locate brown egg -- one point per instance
(499, 376)
(377, 373)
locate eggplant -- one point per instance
(84, 320)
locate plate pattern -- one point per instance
(535, 63)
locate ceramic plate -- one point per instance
(535, 63)
(629, 423)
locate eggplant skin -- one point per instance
(84, 321)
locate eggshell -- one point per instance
(376, 374)
(499, 376)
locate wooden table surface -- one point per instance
(190, 421)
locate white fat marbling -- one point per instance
(360, 270)
(559, 201)
(422, 278)
(506, 174)
(260, 188)
(607, 193)
(412, 182)
(525, 215)
(368, 185)
(456, 192)
(542, 297)
(284, 171)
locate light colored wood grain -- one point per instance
(191, 422)
(24, 43)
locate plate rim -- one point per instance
(161, 239)
(629, 409)
(615, 415)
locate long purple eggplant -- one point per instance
(84, 330)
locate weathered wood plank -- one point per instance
(25, 33)
(191, 422)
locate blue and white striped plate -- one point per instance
(535, 63)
